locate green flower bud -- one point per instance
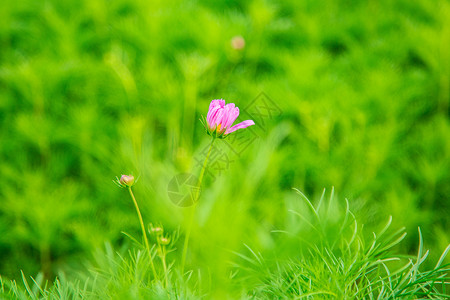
(126, 180)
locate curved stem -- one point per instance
(194, 206)
(143, 232)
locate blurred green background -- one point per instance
(358, 95)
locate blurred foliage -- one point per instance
(93, 89)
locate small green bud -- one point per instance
(157, 230)
(163, 240)
(126, 180)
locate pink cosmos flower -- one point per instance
(220, 118)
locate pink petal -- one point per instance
(212, 114)
(214, 107)
(215, 103)
(241, 125)
(218, 118)
(230, 115)
(234, 114)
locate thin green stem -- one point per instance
(202, 172)
(162, 250)
(143, 232)
(194, 206)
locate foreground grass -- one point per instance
(337, 260)
(334, 258)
